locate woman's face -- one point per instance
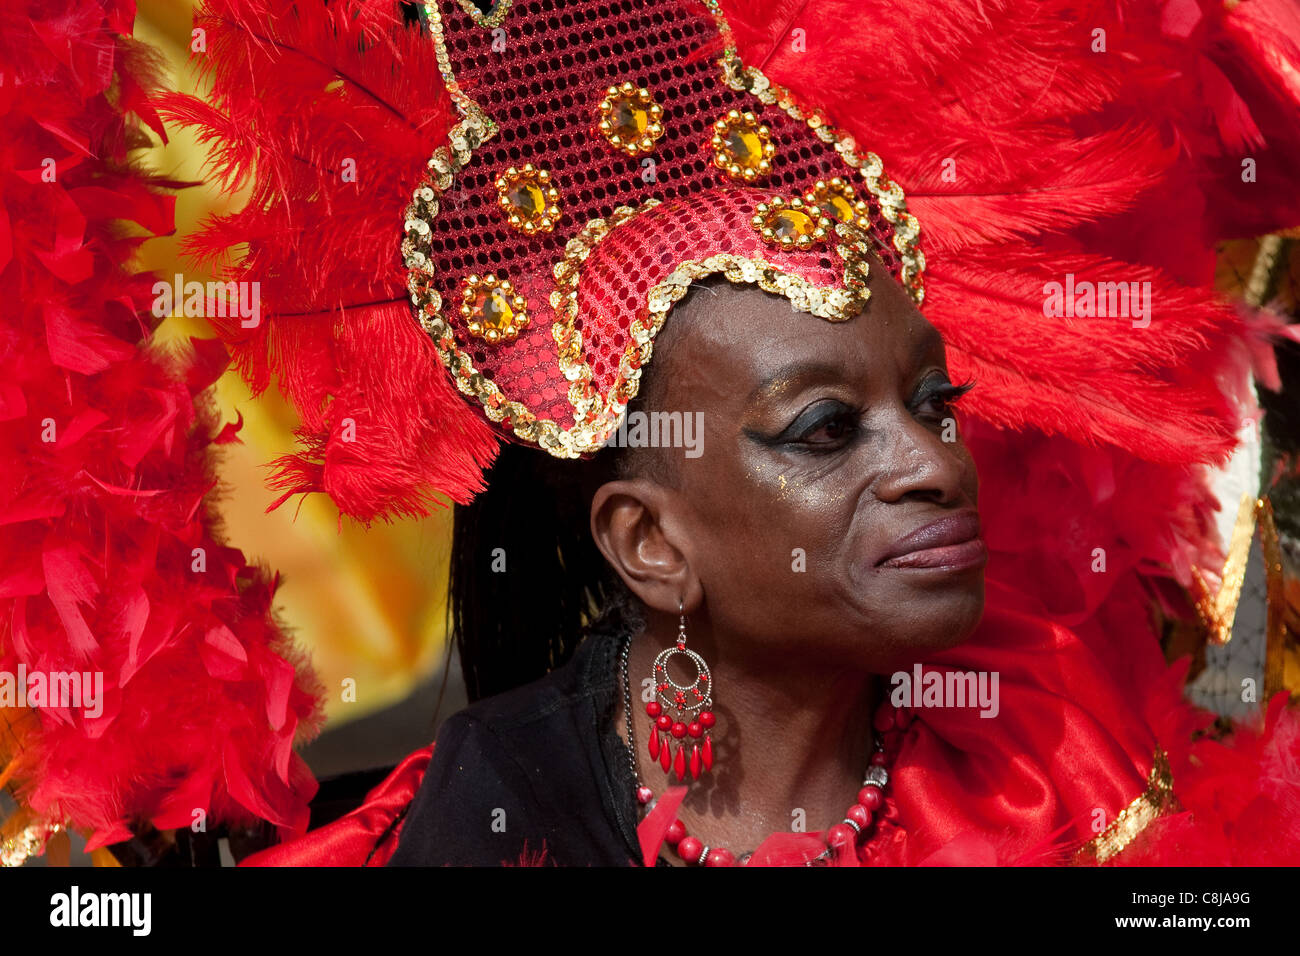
(833, 504)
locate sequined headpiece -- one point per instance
(607, 155)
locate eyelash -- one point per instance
(950, 394)
(947, 393)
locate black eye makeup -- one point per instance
(826, 425)
(937, 396)
(830, 424)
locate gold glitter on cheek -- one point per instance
(781, 478)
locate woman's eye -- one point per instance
(940, 399)
(832, 430)
(823, 427)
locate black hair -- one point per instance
(527, 580)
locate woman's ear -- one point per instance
(639, 526)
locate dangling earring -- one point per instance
(682, 713)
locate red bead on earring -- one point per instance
(680, 714)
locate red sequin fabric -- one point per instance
(540, 75)
(622, 268)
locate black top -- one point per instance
(540, 767)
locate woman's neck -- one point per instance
(792, 740)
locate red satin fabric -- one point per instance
(355, 839)
(1065, 744)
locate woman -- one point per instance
(819, 439)
(820, 560)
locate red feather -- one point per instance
(110, 558)
(329, 112)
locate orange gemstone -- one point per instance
(842, 208)
(528, 199)
(492, 308)
(744, 146)
(794, 223)
(627, 119)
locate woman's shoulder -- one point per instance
(512, 774)
(525, 724)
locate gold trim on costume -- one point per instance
(1218, 609)
(594, 419)
(487, 20)
(1157, 800)
(596, 416)
(463, 102)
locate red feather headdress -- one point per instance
(1013, 152)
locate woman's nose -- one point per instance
(922, 461)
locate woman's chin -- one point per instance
(935, 622)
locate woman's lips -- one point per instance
(968, 554)
(951, 542)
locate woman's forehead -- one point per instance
(746, 336)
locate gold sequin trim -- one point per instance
(1218, 609)
(463, 103)
(1157, 800)
(893, 204)
(500, 9)
(427, 303)
(465, 137)
(595, 417)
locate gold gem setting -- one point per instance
(837, 197)
(491, 308)
(529, 200)
(742, 146)
(792, 225)
(630, 119)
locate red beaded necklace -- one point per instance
(695, 852)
